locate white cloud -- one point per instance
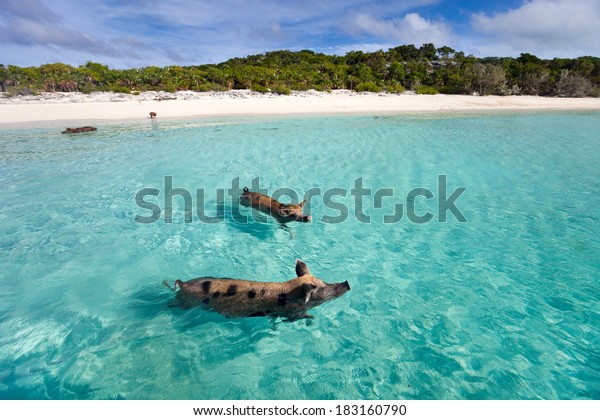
(30, 9)
(33, 32)
(410, 29)
(29, 23)
(549, 28)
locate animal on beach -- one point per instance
(153, 115)
(283, 213)
(246, 298)
(85, 129)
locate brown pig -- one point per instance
(283, 213)
(85, 129)
(246, 298)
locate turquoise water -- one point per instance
(503, 306)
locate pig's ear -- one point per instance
(302, 204)
(308, 291)
(302, 294)
(285, 211)
(301, 268)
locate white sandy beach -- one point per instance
(74, 108)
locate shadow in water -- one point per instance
(251, 222)
(148, 303)
(219, 338)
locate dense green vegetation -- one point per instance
(426, 70)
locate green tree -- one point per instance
(489, 79)
(3, 77)
(354, 58)
(416, 72)
(405, 53)
(573, 85)
(428, 52)
(396, 72)
(446, 53)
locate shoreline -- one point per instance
(77, 108)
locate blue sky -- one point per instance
(136, 33)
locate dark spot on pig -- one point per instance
(205, 301)
(232, 290)
(281, 299)
(216, 294)
(251, 294)
(258, 314)
(206, 286)
(262, 292)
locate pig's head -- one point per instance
(316, 291)
(247, 196)
(293, 213)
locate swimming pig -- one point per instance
(85, 129)
(245, 298)
(283, 213)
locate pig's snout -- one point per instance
(340, 288)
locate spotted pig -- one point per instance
(246, 298)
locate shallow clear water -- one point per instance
(503, 306)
